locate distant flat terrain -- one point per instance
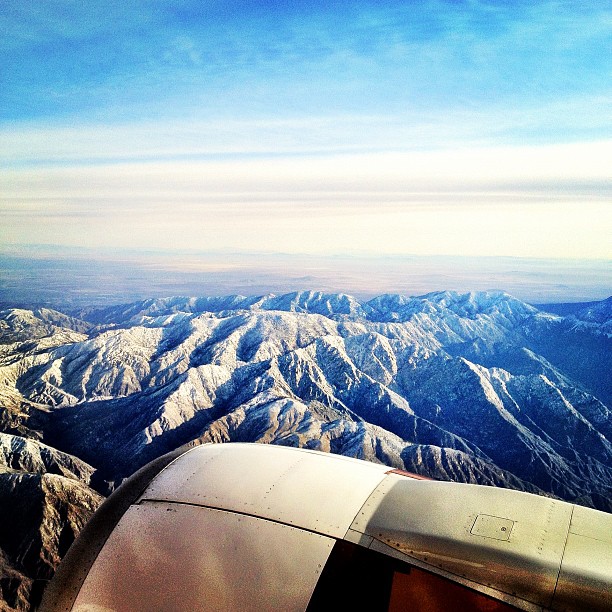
(59, 278)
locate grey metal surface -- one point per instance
(458, 528)
(165, 556)
(585, 581)
(512, 600)
(74, 568)
(231, 526)
(316, 491)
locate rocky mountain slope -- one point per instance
(476, 388)
(44, 503)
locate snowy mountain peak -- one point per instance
(388, 307)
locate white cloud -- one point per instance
(44, 143)
(524, 201)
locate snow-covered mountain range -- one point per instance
(478, 387)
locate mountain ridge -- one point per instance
(478, 387)
(165, 371)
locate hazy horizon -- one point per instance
(307, 130)
(46, 276)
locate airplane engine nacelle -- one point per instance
(260, 527)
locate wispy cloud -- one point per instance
(38, 143)
(434, 127)
(547, 201)
(108, 59)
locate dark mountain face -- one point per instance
(477, 388)
(45, 501)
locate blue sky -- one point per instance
(546, 63)
(244, 98)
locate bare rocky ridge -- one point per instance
(21, 455)
(44, 503)
(477, 388)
